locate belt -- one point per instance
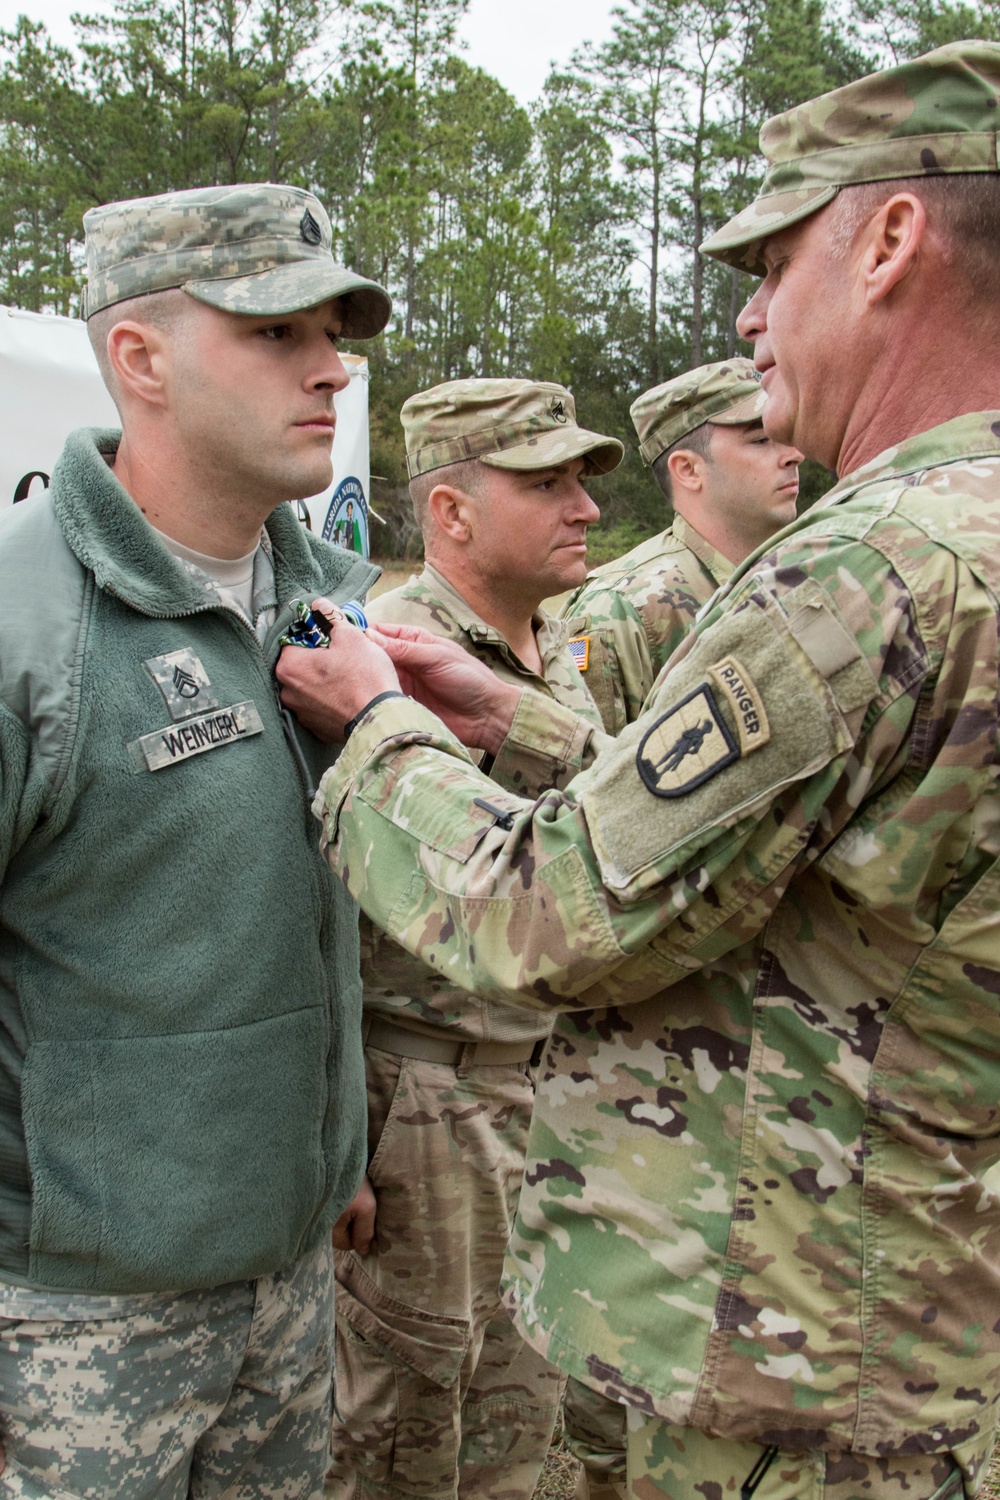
(386, 1036)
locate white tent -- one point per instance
(50, 383)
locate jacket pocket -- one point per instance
(398, 1387)
(161, 1163)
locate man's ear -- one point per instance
(139, 356)
(451, 510)
(892, 244)
(687, 470)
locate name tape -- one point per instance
(166, 747)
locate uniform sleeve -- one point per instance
(548, 744)
(676, 844)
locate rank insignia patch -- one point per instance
(183, 681)
(579, 650)
(686, 746)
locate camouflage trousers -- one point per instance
(437, 1395)
(681, 1463)
(594, 1431)
(190, 1396)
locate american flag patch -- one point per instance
(579, 649)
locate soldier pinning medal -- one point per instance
(760, 1205)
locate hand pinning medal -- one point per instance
(312, 626)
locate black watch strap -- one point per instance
(352, 724)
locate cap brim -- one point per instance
(748, 410)
(301, 284)
(738, 243)
(559, 446)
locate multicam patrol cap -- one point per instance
(728, 394)
(256, 248)
(934, 114)
(508, 424)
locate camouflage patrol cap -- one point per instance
(258, 248)
(728, 393)
(932, 115)
(508, 424)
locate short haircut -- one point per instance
(963, 206)
(159, 309)
(698, 440)
(468, 475)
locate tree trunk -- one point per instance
(652, 331)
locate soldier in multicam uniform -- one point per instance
(762, 1210)
(437, 1394)
(182, 1096)
(731, 486)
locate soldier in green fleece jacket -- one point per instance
(182, 1103)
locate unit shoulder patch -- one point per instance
(686, 746)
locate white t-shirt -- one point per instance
(246, 583)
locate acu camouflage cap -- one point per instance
(508, 424)
(258, 248)
(933, 115)
(728, 393)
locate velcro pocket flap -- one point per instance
(432, 818)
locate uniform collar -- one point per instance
(107, 532)
(720, 567)
(550, 635)
(974, 434)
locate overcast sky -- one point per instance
(515, 40)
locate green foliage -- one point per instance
(814, 481)
(559, 242)
(605, 543)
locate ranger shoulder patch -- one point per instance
(686, 746)
(746, 703)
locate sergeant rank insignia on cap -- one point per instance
(686, 746)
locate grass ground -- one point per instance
(392, 576)
(559, 1475)
(991, 1489)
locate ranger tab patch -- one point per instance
(686, 746)
(579, 650)
(737, 687)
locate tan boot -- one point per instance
(594, 1484)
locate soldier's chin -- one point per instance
(778, 420)
(568, 562)
(312, 481)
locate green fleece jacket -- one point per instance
(181, 1080)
